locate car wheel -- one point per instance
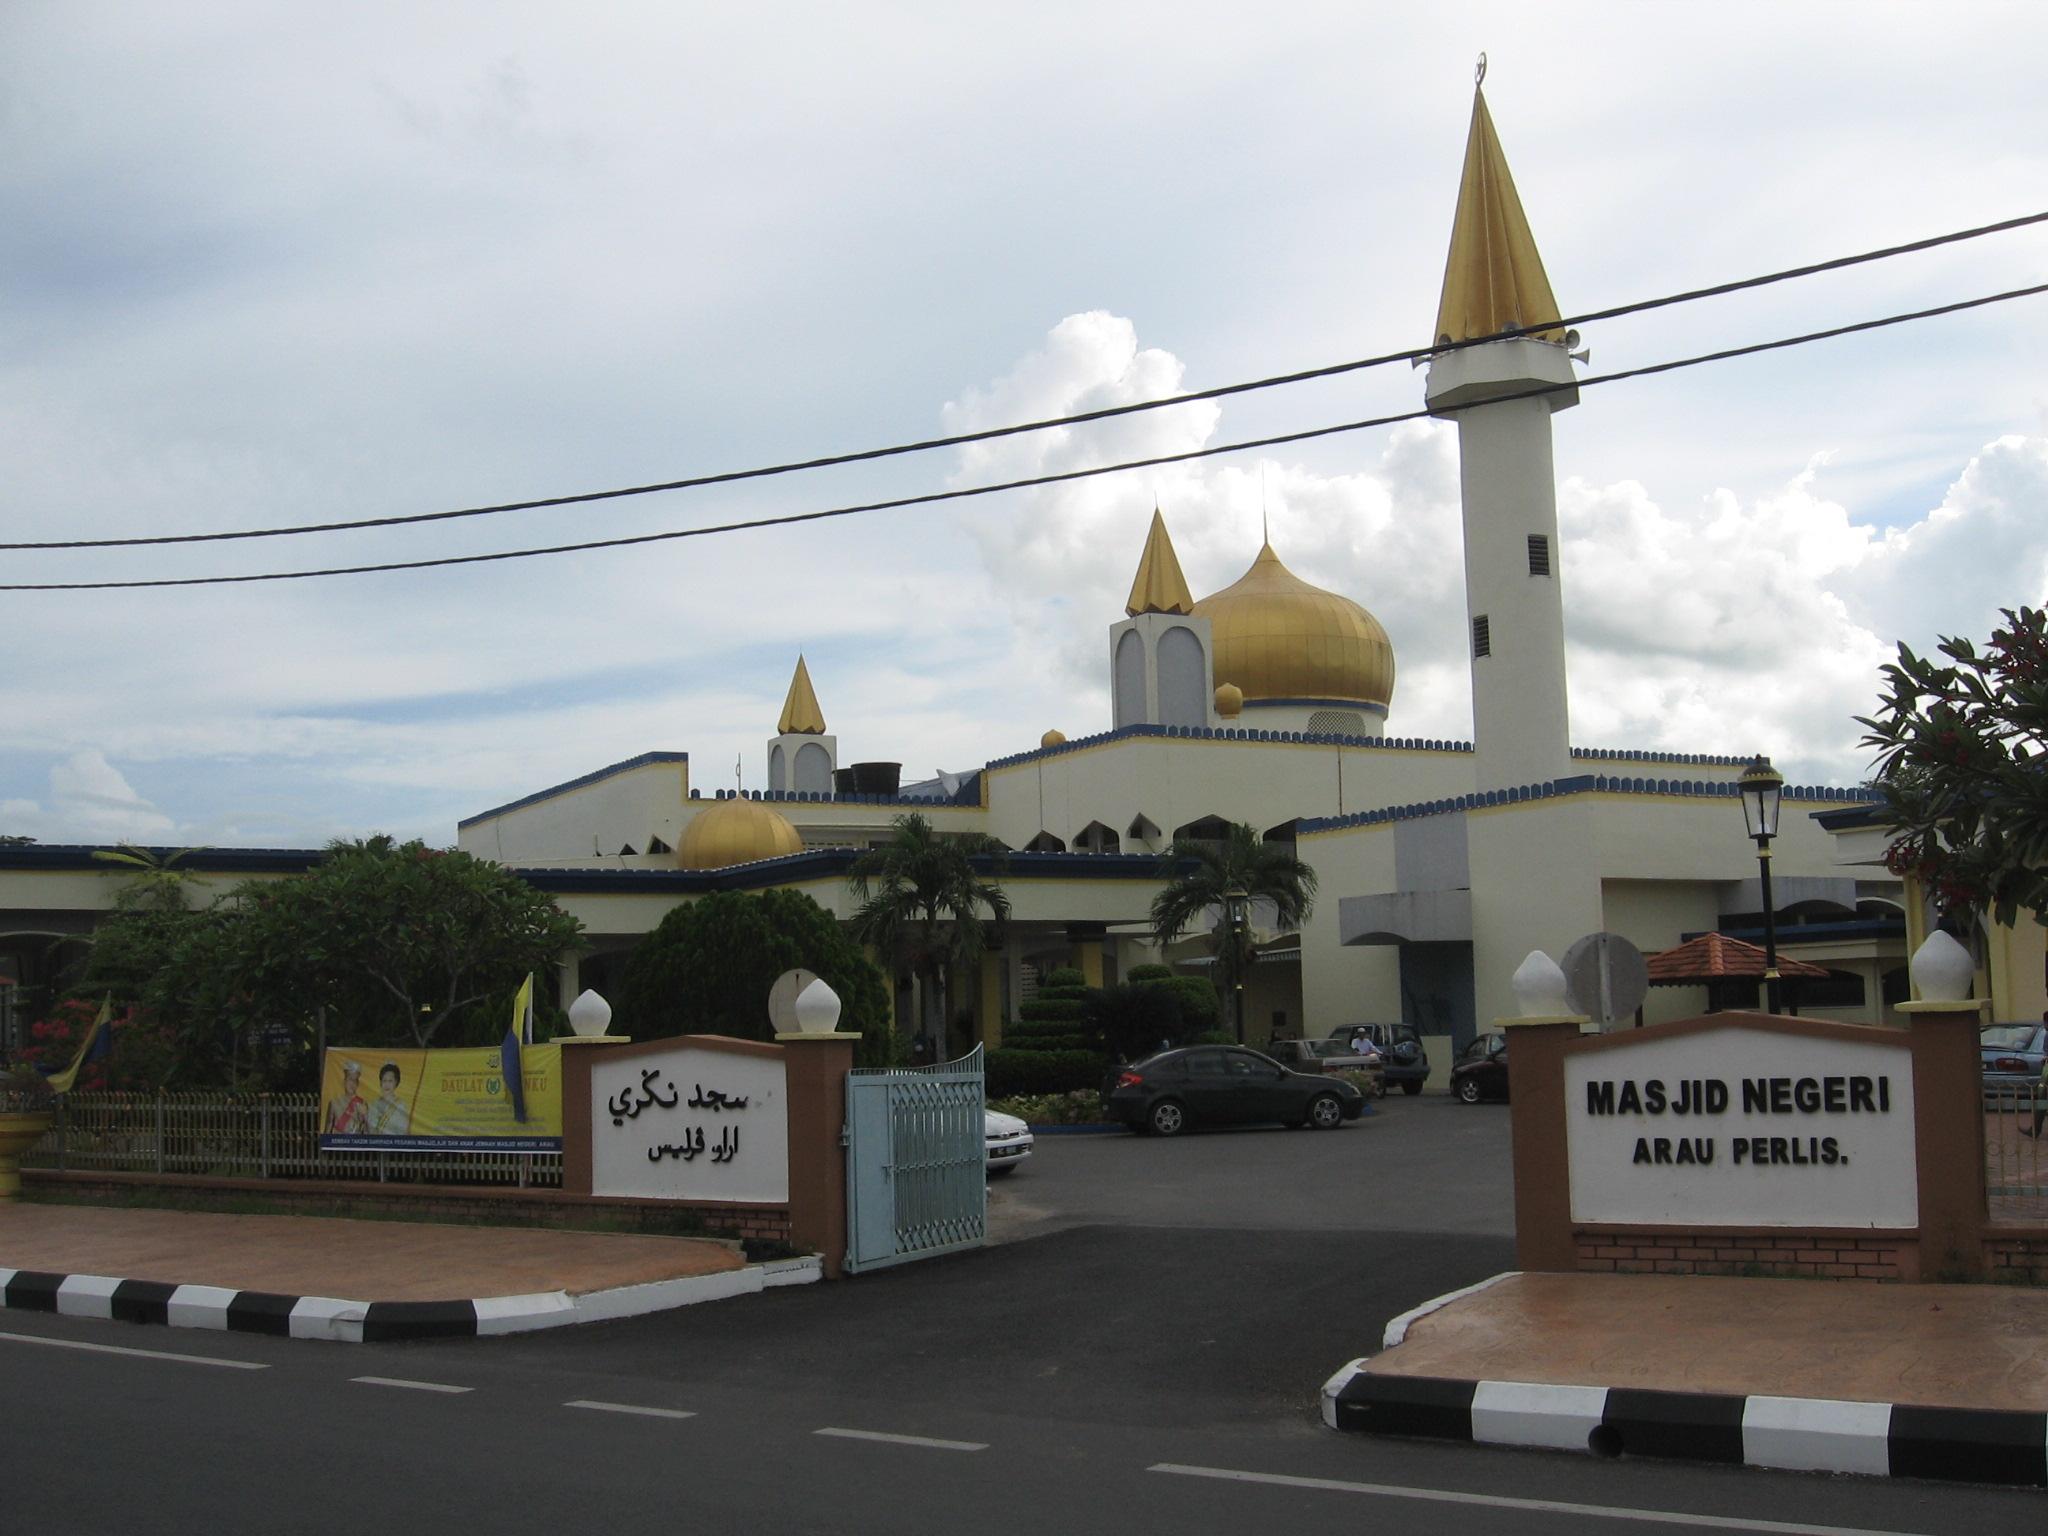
(1166, 1118)
(1325, 1112)
(1468, 1090)
(1411, 1087)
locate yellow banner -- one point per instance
(376, 1100)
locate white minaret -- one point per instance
(1494, 281)
(1161, 664)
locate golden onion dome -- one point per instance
(1276, 636)
(1229, 700)
(736, 832)
(1053, 739)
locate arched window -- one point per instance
(1096, 838)
(1130, 679)
(813, 769)
(1045, 842)
(778, 770)
(1183, 690)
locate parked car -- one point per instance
(1481, 1070)
(1006, 1141)
(2012, 1055)
(1400, 1047)
(1226, 1085)
(1332, 1057)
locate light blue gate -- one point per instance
(916, 1182)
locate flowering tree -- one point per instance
(1960, 763)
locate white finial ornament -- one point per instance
(590, 1015)
(1942, 969)
(1539, 987)
(817, 1009)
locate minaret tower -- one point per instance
(801, 756)
(1494, 281)
(1159, 658)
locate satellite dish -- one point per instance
(1605, 978)
(782, 999)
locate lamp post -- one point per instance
(1234, 903)
(1762, 787)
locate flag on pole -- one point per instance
(508, 1052)
(98, 1042)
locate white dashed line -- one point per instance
(412, 1386)
(144, 1354)
(1538, 1506)
(927, 1443)
(634, 1408)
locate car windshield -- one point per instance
(2007, 1037)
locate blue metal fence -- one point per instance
(916, 1180)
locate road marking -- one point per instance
(928, 1444)
(1539, 1506)
(415, 1386)
(650, 1413)
(145, 1354)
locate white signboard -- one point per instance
(690, 1123)
(1739, 1127)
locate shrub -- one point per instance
(1062, 978)
(1013, 1072)
(1150, 973)
(1083, 1107)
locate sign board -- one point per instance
(692, 1122)
(1745, 1127)
(376, 1099)
(1605, 978)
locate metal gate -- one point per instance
(916, 1180)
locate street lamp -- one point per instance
(1234, 903)
(1762, 788)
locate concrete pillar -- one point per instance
(1085, 955)
(817, 1067)
(1948, 1131)
(1542, 1162)
(2018, 985)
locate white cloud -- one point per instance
(89, 794)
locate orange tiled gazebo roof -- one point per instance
(1716, 957)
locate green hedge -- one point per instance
(1041, 1007)
(1061, 977)
(1012, 1072)
(1150, 973)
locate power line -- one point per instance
(932, 497)
(1079, 418)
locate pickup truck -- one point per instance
(1330, 1057)
(1400, 1047)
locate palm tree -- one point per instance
(1227, 876)
(156, 883)
(921, 900)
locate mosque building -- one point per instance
(1441, 864)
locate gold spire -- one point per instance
(1160, 587)
(1493, 278)
(800, 713)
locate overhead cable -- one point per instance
(964, 493)
(1079, 418)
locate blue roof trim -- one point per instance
(1637, 755)
(1854, 819)
(828, 863)
(968, 795)
(1232, 733)
(642, 761)
(1578, 784)
(205, 861)
(1361, 705)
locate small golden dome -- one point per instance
(1052, 738)
(736, 832)
(1276, 636)
(1229, 700)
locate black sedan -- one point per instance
(1226, 1085)
(1481, 1070)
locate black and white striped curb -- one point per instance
(360, 1322)
(1794, 1433)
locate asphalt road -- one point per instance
(1082, 1375)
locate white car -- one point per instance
(1007, 1139)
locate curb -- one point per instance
(1799, 1434)
(375, 1322)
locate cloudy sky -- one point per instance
(266, 264)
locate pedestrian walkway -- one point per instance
(1846, 1376)
(325, 1277)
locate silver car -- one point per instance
(2012, 1055)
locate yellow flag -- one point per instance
(60, 1082)
(522, 1011)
